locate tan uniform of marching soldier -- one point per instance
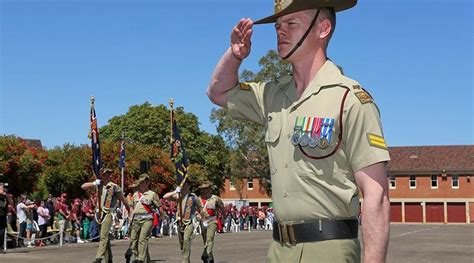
(324, 138)
(145, 205)
(211, 206)
(111, 194)
(190, 205)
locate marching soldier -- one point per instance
(145, 203)
(110, 195)
(212, 205)
(190, 204)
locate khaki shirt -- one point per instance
(197, 205)
(114, 191)
(304, 189)
(149, 198)
(213, 203)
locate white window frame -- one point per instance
(431, 181)
(452, 181)
(392, 179)
(410, 180)
(231, 186)
(249, 181)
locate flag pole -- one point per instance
(94, 124)
(180, 197)
(123, 166)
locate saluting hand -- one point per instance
(240, 38)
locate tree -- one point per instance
(67, 168)
(147, 124)
(249, 156)
(20, 164)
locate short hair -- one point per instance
(325, 13)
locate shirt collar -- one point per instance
(328, 74)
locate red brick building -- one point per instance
(432, 184)
(428, 184)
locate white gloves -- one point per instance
(96, 182)
(178, 190)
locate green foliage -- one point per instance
(147, 124)
(20, 164)
(67, 167)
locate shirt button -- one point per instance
(270, 118)
(286, 165)
(289, 135)
(285, 195)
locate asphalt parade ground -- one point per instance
(408, 243)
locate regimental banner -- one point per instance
(177, 152)
(95, 144)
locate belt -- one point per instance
(324, 229)
(141, 216)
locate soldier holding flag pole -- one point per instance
(188, 202)
(106, 200)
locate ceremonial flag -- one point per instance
(177, 152)
(95, 145)
(122, 154)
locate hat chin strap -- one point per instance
(303, 37)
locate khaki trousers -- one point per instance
(188, 234)
(104, 251)
(210, 234)
(333, 251)
(139, 236)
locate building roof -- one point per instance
(444, 159)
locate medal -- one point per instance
(323, 143)
(313, 141)
(326, 133)
(304, 140)
(316, 129)
(295, 138)
(307, 128)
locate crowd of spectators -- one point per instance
(41, 222)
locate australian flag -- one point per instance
(177, 152)
(122, 155)
(95, 145)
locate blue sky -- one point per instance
(414, 56)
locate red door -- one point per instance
(457, 212)
(434, 213)
(395, 212)
(413, 212)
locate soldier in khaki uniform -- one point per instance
(145, 205)
(190, 205)
(324, 138)
(212, 204)
(111, 194)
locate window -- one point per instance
(455, 182)
(232, 185)
(392, 182)
(434, 182)
(412, 182)
(250, 183)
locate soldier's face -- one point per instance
(290, 28)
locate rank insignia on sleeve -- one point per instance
(363, 97)
(356, 87)
(244, 86)
(377, 141)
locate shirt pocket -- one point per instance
(272, 136)
(273, 128)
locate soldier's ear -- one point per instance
(324, 28)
